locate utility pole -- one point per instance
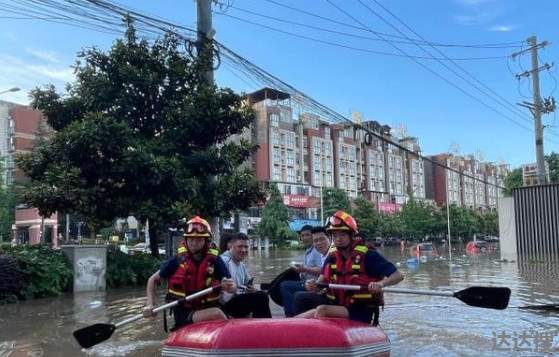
(205, 35)
(539, 106)
(205, 51)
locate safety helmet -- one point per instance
(342, 221)
(197, 227)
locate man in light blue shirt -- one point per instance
(310, 269)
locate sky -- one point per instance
(423, 97)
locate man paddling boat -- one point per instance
(350, 261)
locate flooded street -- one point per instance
(416, 325)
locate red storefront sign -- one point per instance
(390, 208)
(298, 201)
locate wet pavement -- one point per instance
(416, 325)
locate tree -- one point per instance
(513, 180)
(419, 219)
(274, 224)
(335, 199)
(7, 208)
(367, 217)
(141, 133)
(390, 225)
(553, 163)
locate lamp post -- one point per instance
(11, 90)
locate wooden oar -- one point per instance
(91, 335)
(479, 296)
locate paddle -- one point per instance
(91, 335)
(479, 296)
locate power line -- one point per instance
(514, 44)
(516, 111)
(266, 77)
(359, 49)
(433, 71)
(348, 34)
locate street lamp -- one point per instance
(14, 89)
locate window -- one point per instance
(275, 138)
(290, 158)
(305, 142)
(277, 156)
(290, 174)
(274, 120)
(327, 132)
(276, 173)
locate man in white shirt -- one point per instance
(303, 300)
(246, 300)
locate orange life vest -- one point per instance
(350, 271)
(192, 276)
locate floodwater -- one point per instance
(416, 325)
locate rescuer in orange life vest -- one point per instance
(351, 261)
(197, 266)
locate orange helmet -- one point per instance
(341, 221)
(197, 227)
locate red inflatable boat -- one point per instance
(278, 337)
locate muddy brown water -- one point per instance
(416, 325)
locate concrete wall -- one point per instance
(89, 263)
(507, 229)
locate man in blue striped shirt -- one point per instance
(310, 269)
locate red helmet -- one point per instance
(197, 227)
(342, 221)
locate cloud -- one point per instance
(473, 2)
(16, 72)
(502, 28)
(478, 12)
(44, 55)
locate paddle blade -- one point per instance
(91, 335)
(487, 297)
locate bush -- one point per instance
(44, 271)
(126, 270)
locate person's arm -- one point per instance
(153, 281)
(222, 274)
(377, 265)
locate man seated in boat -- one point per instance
(247, 300)
(352, 262)
(197, 266)
(310, 269)
(305, 300)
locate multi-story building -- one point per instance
(21, 128)
(305, 153)
(470, 183)
(415, 169)
(530, 174)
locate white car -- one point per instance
(143, 248)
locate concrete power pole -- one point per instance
(205, 48)
(538, 106)
(537, 110)
(205, 34)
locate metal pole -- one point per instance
(448, 217)
(67, 227)
(537, 111)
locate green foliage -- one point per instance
(367, 217)
(553, 162)
(11, 279)
(7, 208)
(129, 270)
(46, 272)
(419, 220)
(335, 199)
(274, 224)
(141, 133)
(513, 180)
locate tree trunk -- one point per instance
(153, 234)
